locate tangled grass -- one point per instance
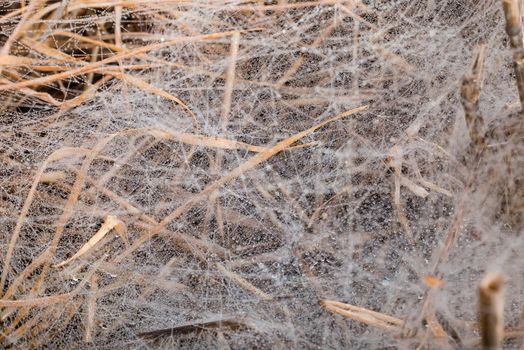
(260, 174)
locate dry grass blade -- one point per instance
(13, 61)
(435, 326)
(40, 95)
(413, 187)
(204, 141)
(38, 301)
(369, 317)
(152, 89)
(118, 25)
(232, 323)
(111, 222)
(91, 309)
(49, 51)
(52, 177)
(243, 282)
(395, 160)
(88, 93)
(230, 78)
(470, 93)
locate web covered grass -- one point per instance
(264, 204)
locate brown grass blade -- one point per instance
(363, 315)
(111, 222)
